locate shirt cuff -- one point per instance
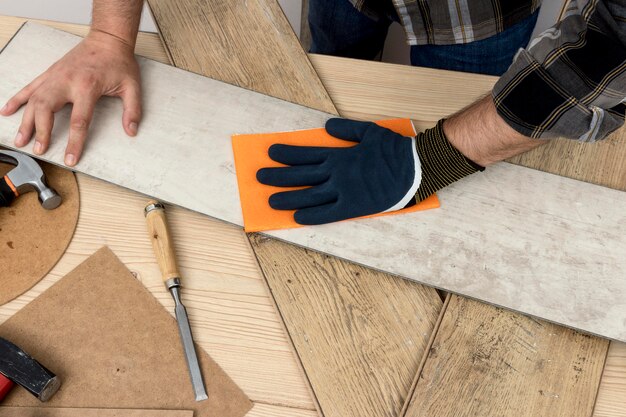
(533, 103)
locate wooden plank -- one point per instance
(184, 137)
(486, 363)
(493, 211)
(611, 400)
(265, 410)
(360, 347)
(362, 379)
(246, 43)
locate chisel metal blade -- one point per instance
(190, 350)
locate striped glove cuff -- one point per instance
(442, 163)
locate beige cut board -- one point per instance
(512, 236)
(89, 412)
(112, 344)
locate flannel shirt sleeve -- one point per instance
(571, 80)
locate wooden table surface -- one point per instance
(234, 316)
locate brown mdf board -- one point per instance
(374, 381)
(32, 239)
(246, 43)
(113, 344)
(492, 362)
(88, 412)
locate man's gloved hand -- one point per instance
(383, 172)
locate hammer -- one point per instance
(26, 176)
(18, 367)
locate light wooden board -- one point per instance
(246, 43)
(491, 231)
(184, 137)
(506, 364)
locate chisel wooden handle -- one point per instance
(161, 240)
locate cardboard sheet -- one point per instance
(251, 154)
(32, 240)
(88, 412)
(114, 345)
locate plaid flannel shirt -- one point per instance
(569, 82)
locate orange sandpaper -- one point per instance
(251, 154)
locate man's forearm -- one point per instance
(119, 18)
(480, 134)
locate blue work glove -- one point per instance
(382, 172)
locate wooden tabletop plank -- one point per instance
(247, 43)
(377, 382)
(487, 361)
(611, 400)
(347, 336)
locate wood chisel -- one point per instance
(166, 258)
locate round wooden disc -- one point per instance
(32, 239)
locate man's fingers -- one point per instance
(82, 113)
(131, 97)
(25, 131)
(44, 121)
(21, 97)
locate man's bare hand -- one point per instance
(101, 65)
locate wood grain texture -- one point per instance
(265, 410)
(358, 91)
(365, 373)
(486, 363)
(611, 400)
(225, 260)
(245, 43)
(359, 333)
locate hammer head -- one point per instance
(28, 176)
(21, 368)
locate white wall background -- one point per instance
(79, 11)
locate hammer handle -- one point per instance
(162, 241)
(7, 192)
(5, 386)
